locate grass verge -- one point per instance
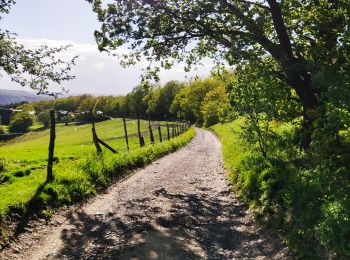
(232, 149)
(301, 193)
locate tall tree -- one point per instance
(303, 37)
(36, 69)
(160, 99)
(187, 103)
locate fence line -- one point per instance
(177, 129)
(173, 129)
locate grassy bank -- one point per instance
(289, 191)
(76, 181)
(232, 149)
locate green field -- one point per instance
(73, 140)
(29, 152)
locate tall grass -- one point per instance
(232, 149)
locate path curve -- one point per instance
(179, 207)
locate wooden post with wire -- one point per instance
(106, 145)
(49, 176)
(95, 139)
(176, 129)
(141, 140)
(160, 133)
(168, 130)
(172, 129)
(150, 132)
(126, 133)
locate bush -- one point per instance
(2, 131)
(215, 107)
(67, 119)
(44, 118)
(20, 122)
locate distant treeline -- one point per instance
(202, 101)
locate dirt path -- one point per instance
(179, 207)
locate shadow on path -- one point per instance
(31, 209)
(196, 226)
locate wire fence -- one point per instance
(135, 132)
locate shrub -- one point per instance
(44, 118)
(215, 107)
(20, 122)
(67, 119)
(2, 131)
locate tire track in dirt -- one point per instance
(179, 207)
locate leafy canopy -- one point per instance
(230, 30)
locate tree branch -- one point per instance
(280, 28)
(257, 33)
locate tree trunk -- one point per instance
(49, 176)
(300, 80)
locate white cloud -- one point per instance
(99, 73)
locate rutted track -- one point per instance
(179, 207)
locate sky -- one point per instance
(61, 22)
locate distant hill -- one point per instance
(15, 96)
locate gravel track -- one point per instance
(179, 207)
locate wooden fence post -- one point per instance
(95, 139)
(49, 176)
(126, 134)
(150, 132)
(105, 145)
(168, 130)
(160, 133)
(141, 140)
(177, 128)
